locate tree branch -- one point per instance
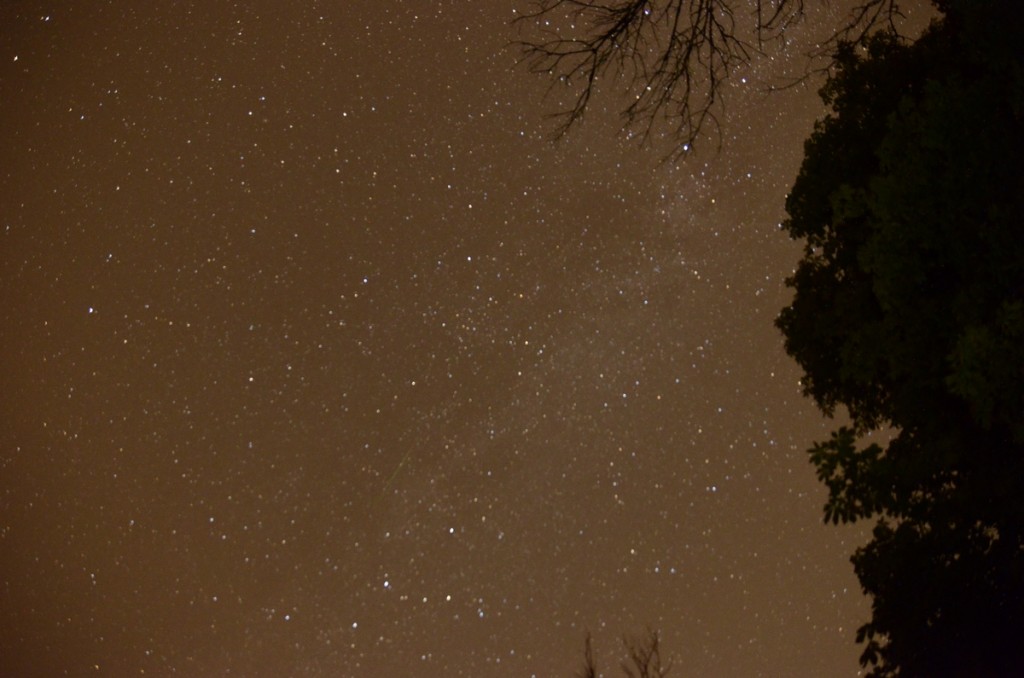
(672, 58)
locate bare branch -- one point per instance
(869, 16)
(644, 657)
(672, 58)
(589, 669)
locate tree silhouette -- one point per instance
(643, 657)
(909, 312)
(672, 57)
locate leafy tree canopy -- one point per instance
(909, 312)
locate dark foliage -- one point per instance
(909, 312)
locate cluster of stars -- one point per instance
(325, 361)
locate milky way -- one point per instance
(322, 359)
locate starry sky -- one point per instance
(320, 358)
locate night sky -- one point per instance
(321, 359)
